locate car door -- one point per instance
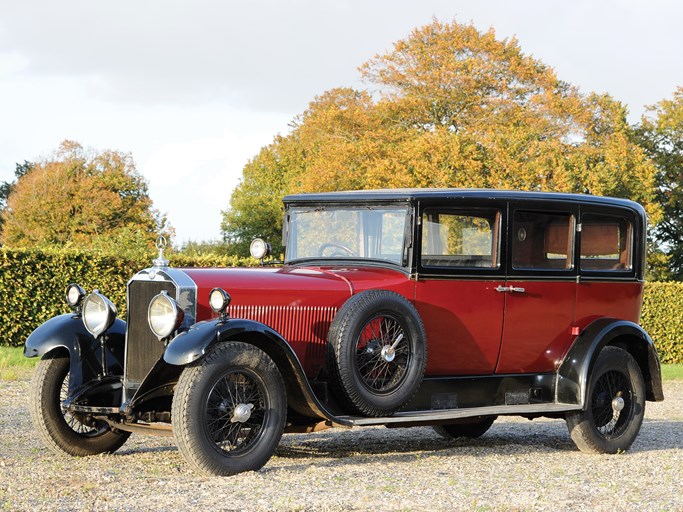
(611, 281)
(540, 290)
(459, 269)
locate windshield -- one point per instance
(347, 232)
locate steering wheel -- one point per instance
(327, 245)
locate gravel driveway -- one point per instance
(517, 465)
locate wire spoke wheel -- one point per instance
(615, 405)
(377, 353)
(235, 411)
(382, 354)
(229, 410)
(73, 422)
(612, 403)
(60, 429)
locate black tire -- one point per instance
(377, 353)
(215, 432)
(471, 428)
(616, 382)
(59, 430)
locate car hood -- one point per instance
(293, 286)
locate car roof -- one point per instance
(414, 194)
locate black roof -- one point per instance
(413, 194)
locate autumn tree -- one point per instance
(84, 199)
(6, 187)
(449, 106)
(661, 134)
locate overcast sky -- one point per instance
(193, 89)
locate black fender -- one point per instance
(191, 345)
(85, 351)
(573, 376)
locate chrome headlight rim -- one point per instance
(98, 314)
(219, 300)
(74, 295)
(164, 315)
(259, 248)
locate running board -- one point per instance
(443, 415)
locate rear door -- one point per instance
(540, 291)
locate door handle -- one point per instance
(516, 289)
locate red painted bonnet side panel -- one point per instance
(298, 302)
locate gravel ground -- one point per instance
(517, 465)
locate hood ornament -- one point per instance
(161, 244)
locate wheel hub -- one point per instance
(618, 404)
(388, 353)
(241, 413)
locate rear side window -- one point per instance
(542, 241)
(468, 240)
(606, 243)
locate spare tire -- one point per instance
(377, 353)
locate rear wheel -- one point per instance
(615, 405)
(473, 428)
(60, 430)
(229, 410)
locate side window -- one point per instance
(606, 242)
(542, 241)
(460, 239)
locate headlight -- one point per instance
(74, 295)
(259, 249)
(98, 313)
(219, 300)
(164, 315)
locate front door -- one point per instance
(459, 270)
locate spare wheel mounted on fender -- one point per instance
(377, 352)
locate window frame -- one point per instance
(635, 253)
(565, 208)
(464, 208)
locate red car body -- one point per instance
(401, 307)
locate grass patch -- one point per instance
(14, 365)
(672, 371)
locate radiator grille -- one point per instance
(304, 327)
(143, 349)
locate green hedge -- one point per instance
(662, 318)
(32, 285)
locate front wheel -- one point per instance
(229, 410)
(60, 430)
(615, 405)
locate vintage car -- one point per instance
(392, 307)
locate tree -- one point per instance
(6, 187)
(661, 134)
(450, 106)
(85, 199)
